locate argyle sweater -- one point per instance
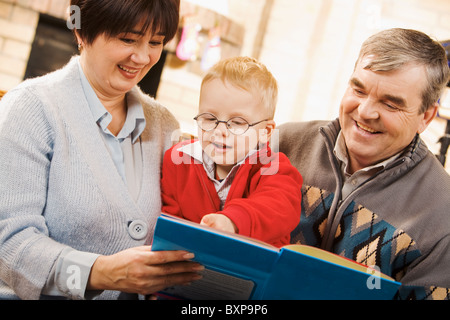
(398, 220)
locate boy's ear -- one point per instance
(264, 134)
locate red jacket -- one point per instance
(264, 200)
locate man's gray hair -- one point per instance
(393, 48)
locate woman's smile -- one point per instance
(128, 72)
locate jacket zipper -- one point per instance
(337, 207)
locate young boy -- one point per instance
(229, 178)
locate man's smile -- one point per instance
(366, 128)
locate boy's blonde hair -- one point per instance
(250, 75)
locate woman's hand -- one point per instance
(140, 270)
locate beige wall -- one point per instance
(179, 88)
(312, 45)
(309, 45)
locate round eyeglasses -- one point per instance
(236, 125)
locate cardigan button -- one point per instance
(137, 229)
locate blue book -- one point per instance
(241, 268)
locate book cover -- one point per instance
(241, 268)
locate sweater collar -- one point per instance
(340, 151)
(413, 153)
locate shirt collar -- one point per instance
(340, 151)
(135, 122)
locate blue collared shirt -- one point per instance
(125, 148)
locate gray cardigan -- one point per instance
(60, 190)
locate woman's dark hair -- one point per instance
(112, 17)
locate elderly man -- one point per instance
(373, 192)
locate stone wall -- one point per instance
(18, 22)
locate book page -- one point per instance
(214, 286)
(333, 258)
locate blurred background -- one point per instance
(309, 45)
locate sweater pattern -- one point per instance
(363, 237)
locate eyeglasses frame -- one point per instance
(226, 123)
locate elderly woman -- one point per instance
(81, 151)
